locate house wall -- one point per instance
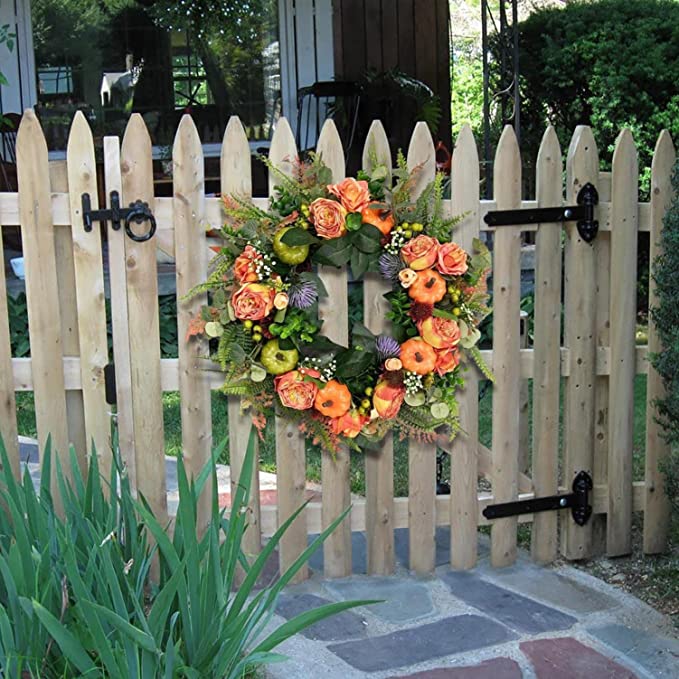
(410, 35)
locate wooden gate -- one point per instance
(589, 375)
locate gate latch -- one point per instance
(582, 213)
(578, 502)
(138, 212)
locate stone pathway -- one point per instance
(522, 622)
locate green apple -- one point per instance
(289, 254)
(276, 360)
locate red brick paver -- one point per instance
(497, 668)
(567, 658)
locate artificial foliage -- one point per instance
(262, 315)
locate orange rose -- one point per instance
(429, 287)
(388, 398)
(420, 252)
(244, 268)
(440, 333)
(417, 356)
(253, 301)
(350, 424)
(333, 399)
(379, 216)
(446, 360)
(451, 260)
(296, 392)
(353, 193)
(329, 218)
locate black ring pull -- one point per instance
(139, 212)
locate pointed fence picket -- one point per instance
(68, 356)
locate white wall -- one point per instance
(18, 66)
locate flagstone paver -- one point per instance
(423, 642)
(497, 668)
(516, 611)
(567, 658)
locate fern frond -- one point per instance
(475, 354)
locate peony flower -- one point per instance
(446, 360)
(407, 277)
(294, 391)
(349, 424)
(440, 333)
(328, 217)
(388, 398)
(281, 300)
(451, 260)
(420, 252)
(244, 268)
(380, 217)
(354, 194)
(252, 301)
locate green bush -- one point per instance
(76, 598)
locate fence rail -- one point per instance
(590, 377)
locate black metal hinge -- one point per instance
(578, 502)
(138, 212)
(582, 213)
(110, 384)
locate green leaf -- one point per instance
(368, 239)
(441, 313)
(359, 263)
(297, 236)
(311, 277)
(354, 221)
(352, 363)
(335, 252)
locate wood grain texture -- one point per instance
(120, 325)
(334, 312)
(236, 179)
(464, 469)
(379, 465)
(546, 347)
(657, 506)
(422, 456)
(506, 299)
(44, 321)
(188, 173)
(580, 337)
(144, 339)
(90, 297)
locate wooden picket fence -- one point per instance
(596, 363)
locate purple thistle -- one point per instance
(387, 347)
(302, 295)
(390, 265)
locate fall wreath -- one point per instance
(263, 292)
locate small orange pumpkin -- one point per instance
(417, 356)
(379, 216)
(429, 288)
(333, 400)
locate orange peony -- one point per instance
(354, 194)
(429, 287)
(440, 333)
(244, 270)
(328, 217)
(379, 216)
(333, 399)
(388, 398)
(451, 260)
(252, 301)
(349, 424)
(417, 356)
(446, 360)
(296, 392)
(420, 252)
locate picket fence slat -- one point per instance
(546, 347)
(506, 296)
(334, 311)
(379, 464)
(89, 293)
(623, 311)
(290, 446)
(657, 507)
(582, 166)
(464, 467)
(236, 180)
(144, 338)
(44, 322)
(188, 173)
(422, 455)
(120, 325)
